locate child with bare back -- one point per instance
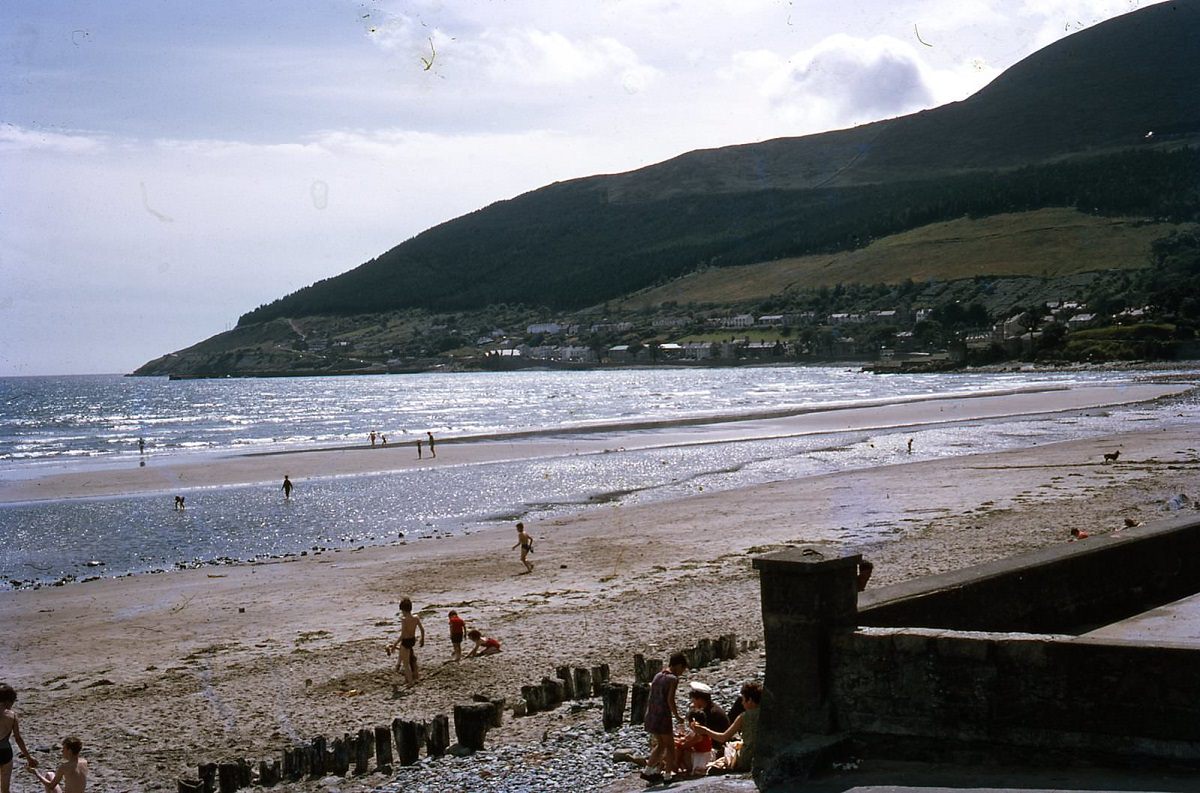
(406, 662)
(10, 729)
(525, 543)
(71, 775)
(484, 645)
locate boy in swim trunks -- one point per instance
(406, 662)
(71, 776)
(10, 729)
(525, 543)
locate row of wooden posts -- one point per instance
(471, 723)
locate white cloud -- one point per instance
(14, 138)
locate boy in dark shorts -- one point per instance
(9, 728)
(406, 661)
(458, 629)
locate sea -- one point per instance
(52, 425)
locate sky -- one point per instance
(168, 165)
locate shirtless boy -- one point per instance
(409, 625)
(71, 776)
(10, 729)
(525, 543)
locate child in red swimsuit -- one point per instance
(484, 645)
(458, 629)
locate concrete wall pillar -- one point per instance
(806, 594)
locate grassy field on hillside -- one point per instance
(1043, 243)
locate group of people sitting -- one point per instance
(703, 742)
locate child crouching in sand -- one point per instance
(484, 645)
(71, 775)
(406, 661)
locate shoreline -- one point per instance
(242, 662)
(248, 468)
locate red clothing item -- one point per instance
(458, 627)
(490, 642)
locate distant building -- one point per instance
(544, 328)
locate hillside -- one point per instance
(1045, 243)
(1065, 127)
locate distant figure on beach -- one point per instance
(418, 448)
(1078, 534)
(179, 503)
(484, 645)
(1111, 457)
(9, 728)
(661, 708)
(458, 630)
(406, 660)
(372, 439)
(287, 487)
(71, 774)
(141, 445)
(525, 543)
(432, 451)
(910, 440)
(383, 440)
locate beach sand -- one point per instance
(160, 672)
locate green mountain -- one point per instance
(1102, 121)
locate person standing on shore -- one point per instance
(406, 661)
(141, 445)
(9, 728)
(372, 439)
(525, 543)
(458, 629)
(660, 709)
(287, 488)
(432, 452)
(418, 448)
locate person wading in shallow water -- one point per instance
(287, 487)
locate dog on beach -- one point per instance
(1111, 457)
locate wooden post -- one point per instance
(614, 696)
(208, 777)
(408, 740)
(637, 703)
(383, 749)
(535, 699)
(437, 738)
(639, 669)
(317, 752)
(599, 679)
(268, 773)
(244, 773)
(727, 648)
(563, 673)
(705, 652)
(554, 692)
(583, 682)
(340, 760)
(362, 750)
(471, 724)
(227, 778)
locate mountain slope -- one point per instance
(1055, 118)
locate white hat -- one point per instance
(700, 688)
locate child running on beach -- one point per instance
(406, 662)
(525, 543)
(484, 645)
(71, 775)
(10, 729)
(458, 629)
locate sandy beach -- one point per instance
(159, 672)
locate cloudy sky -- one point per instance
(166, 166)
